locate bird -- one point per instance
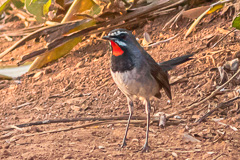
(137, 74)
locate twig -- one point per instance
(169, 150)
(8, 135)
(132, 5)
(22, 32)
(15, 127)
(163, 41)
(218, 156)
(133, 15)
(62, 95)
(22, 105)
(207, 98)
(72, 128)
(220, 137)
(175, 18)
(55, 131)
(41, 31)
(7, 37)
(221, 105)
(76, 127)
(226, 125)
(106, 83)
(153, 118)
(194, 24)
(223, 37)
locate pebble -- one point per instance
(67, 156)
(101, 147)
(48, 70)
(174, 154)
(177, 117)
(189, 138)
(80, 64)
(135, 140)
(6, 146)
(6, 153)
(75, 108)
(232, 65)
(38, 75)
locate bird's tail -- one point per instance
(169, 65)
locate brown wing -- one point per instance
(160, 75)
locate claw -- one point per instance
(123, 144)
(145, 148)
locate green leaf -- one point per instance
(4, 5)
(39, 8)
(236, 22)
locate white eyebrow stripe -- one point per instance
(116, 33)
(121, 43)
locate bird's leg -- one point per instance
(130, 108)
(148, 109)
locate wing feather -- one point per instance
(158, 73)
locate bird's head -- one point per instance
(121, 41)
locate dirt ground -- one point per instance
(80, 85)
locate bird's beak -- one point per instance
(107, 38)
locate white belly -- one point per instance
(134, 84)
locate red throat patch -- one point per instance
(117, 51)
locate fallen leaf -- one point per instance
(190, 138)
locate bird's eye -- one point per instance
(122, 36)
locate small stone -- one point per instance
(189, 138)
(232, 65)
(75, 108)
(35, 129)
(230, 95)
(101, 147)
(6, 146)
(198, 146)
(67, 156)
(162, 120)
(195, 116)
(237, 55)
(174, 154)
(206, 156)
(177, 117)
(135, 140)
(80, 64)
(48, 70)
(31, 157)
(38, 75)
(17, 81)
(109, 125)
(6, 153)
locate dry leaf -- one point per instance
(195, 12)
(146, 39)
(190, 138)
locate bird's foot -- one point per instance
(145, 148)
(123, 144)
